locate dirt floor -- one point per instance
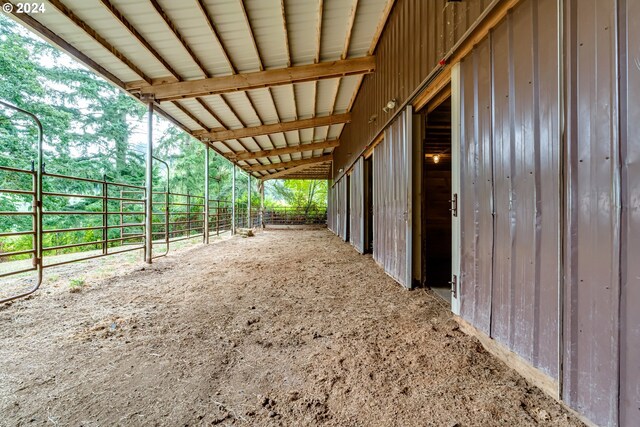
(290, 328)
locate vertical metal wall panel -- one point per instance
(502, 320)
(476, 188)
(526, 184)
(592, 267)
(341, 208)
(547, 196)
(356, 205)
(331, 208)
(629, 19)
(392, 198)
(510, 172)
(417, 35)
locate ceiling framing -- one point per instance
(268, 84)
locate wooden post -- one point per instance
(249, 200)
(206, 194)
(262, 183)
(148, 204)
(233, 201)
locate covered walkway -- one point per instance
(285, 328)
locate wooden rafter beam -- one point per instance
(352, 19)
(275, 128)
(319, 30)
(251, 35)
(98, 38)
(291, 171)
(291, 164)
(216, 36)
(286, 150)
(179, 36)
(136, 34)
(286, 33)
(260, 79)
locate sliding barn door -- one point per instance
(392, 200)
(356, 205)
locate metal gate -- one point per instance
(104, 217)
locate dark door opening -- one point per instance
(436, 196)
(347, 211)
(368, 205)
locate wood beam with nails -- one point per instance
(275, 127)
(286, 150)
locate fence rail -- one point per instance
(100, 217)
(294, 216)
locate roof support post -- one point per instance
(206, 194)
(261, 204)
(233, 200)
(148, 204)
(249, 201)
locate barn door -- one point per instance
(392, 179)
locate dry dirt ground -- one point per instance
(288, 328)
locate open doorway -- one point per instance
(436, 195)
(368, 205)
(347, 211)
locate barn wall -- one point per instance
(521, 181)
(356, 205)
(417, 35)
(550, 211)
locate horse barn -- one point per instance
(483, 166)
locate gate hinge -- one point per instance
(454, 204)
(454, 286)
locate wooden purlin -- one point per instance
(287, 150)
(98, 38)
(299, 171)
(276, 127)
(132, 30)
(293, 163)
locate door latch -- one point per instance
(454, 286)
(454, 205)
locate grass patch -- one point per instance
(76, 285)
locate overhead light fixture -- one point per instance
(340, 170)
(436, 158)
(390, 106)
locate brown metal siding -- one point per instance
(526, 166)
(629, 19)
(356, 206)
(417, 35)
(476, 188)
(592, 288)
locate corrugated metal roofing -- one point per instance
(133, 41)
